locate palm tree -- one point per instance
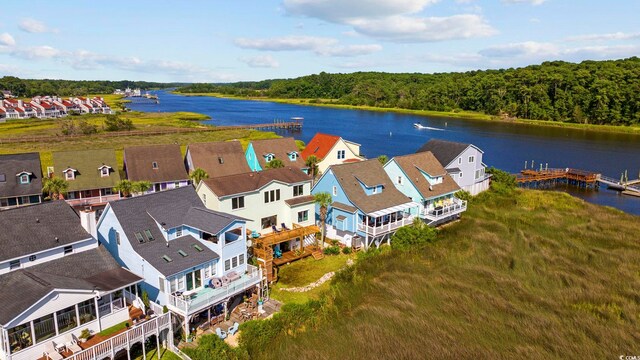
(312, 163)
(140, 187)
(198, 175)
(323, 200)
(383, 159)
(55, 187)
(274, 164)
(124, 187)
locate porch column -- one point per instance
(95, 301)
(186, 325)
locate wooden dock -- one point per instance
(580, 178)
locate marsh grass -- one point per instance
(528, 275)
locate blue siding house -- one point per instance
(422, 178)
(192, 259)
(367, 209)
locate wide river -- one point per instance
(505, 145)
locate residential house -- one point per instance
(423, 179)
(217, 158)
(260, 152)
(161, 165)
(91, 174)
(56, 281)
(193, 260)
(20, 180)
(331, 150)
(279, 209)
(463, 161)
(367, 208)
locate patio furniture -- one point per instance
(254, 234)
(221, 333)
(50, 351)
(188, 294)
(233, 329)
(225, 280)
(284, 227)
(215, 283)
(233, 276)
(277, 253)
(275, 229)
(71, 343)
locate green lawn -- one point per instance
(524, 275)
(304, 272)
(114, 329)
(164, 355)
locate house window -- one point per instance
(139, 237)
(237, 203)
(461, 174)
(298, 190)
(68, 249)
(24, 179)
(147, 233)
(374, 190)
(241, 259)
(66, 319)
(477, 174)
(87, 311)
(117, 238)
(104, 172)
(234, 261)
(44, 328)
(32, 258)
(69, 175)
(154, 165)
(271, 196)
(303, 216)
(179, 232)
(269, 221)
(335, 191)
(14, 264)
(268, 157)
(3, 178)
(341, 154)
(471, 159)
(459, 160)
(160, 284)
(20, 337)
(204, 199)
(293, 156)
(227, 265)
(399, 180)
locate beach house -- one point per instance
(161, 165)
(20, 180)
(331, 150)
(220, 158)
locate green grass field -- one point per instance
(530, 275)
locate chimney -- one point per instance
(88, 221)
(20, 103)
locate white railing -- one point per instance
(93, 200)
(385, 228)
(208, 297)
(111, 346)
(108, 308)
(456, 207)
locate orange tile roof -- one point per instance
(320, 145)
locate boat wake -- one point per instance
(422, 127)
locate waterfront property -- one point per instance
(46, 107)
(367, 208)
(161, 165)
(20, 180)
(193, 260)
(331, 150)
(423, 179)
(463, 162)
(56, 281)
(260, 152)
(91, 174)
(279, 209)
(220, 158)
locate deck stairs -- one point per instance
(318, 255)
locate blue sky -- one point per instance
(220, 41)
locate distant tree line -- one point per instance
(28, 88)
(595, 92)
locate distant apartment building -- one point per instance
(46, 107)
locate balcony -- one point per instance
(442, 212)
(207, 296)
(386, 227)
(95, 200)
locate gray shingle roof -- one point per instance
(13, 164)
(444, 151)
(87, 270)
(252, 181)
(371, 173)
(170, 208)
(138, 161)
(31, 229)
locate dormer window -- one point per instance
(220, 160)
(293, 156)
(24, 177)
(104, 170)
(154, 165)
(69, 174)
(269, 157)
(375, 190)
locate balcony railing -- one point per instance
(209, 296)
(458, 206)
(386, 227)
(93, 200)
(113, 306)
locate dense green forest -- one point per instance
(594, 92)
(26, 87)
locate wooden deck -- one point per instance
(290, 256)
(574, 176)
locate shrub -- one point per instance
(502, 182)
(86, 128)
(85, 334)
(332, 250)
(165, 309)
(115, 123)
(463, 195)
(346, 250)
(212, 347)
(410, 237)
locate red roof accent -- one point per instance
(320, 145)
(18, 110)
(45, 105)
(351, 161)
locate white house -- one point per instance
(463, 162)
(56, 281)
(193, 260)
(331, 150)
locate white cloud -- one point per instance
(424, 29)
(34, 26)
(532, 2)
(285, 43)
(38, 52)
(393, 20)
(605, 37)
(527, 48)
(7, 40)
(261, 61)
(349, 50)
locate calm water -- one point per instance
(506, 146)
